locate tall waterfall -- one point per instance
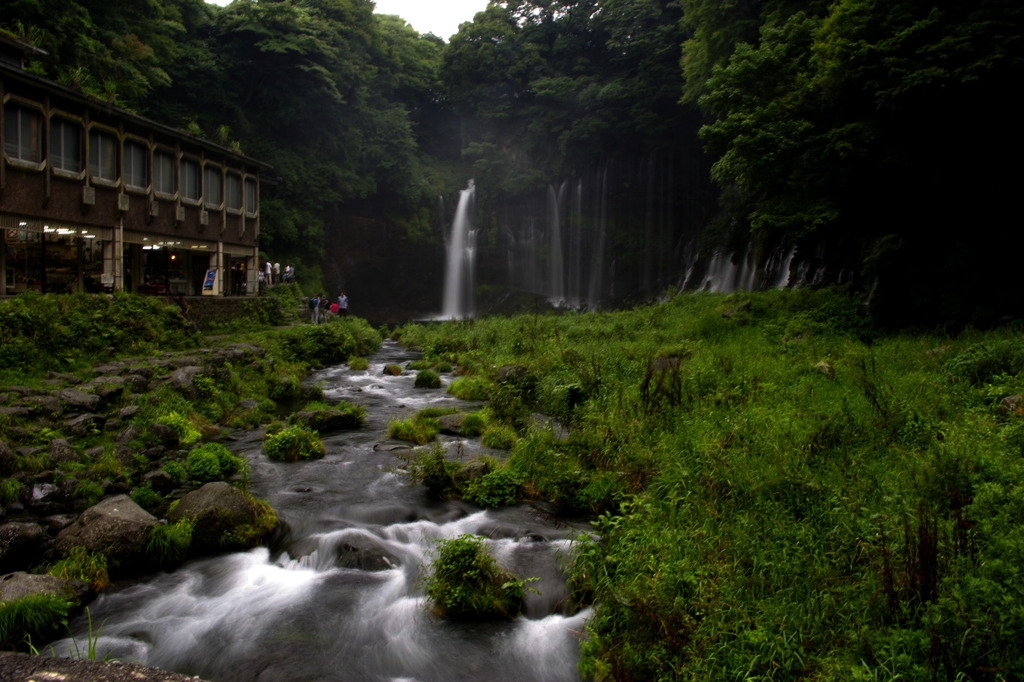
(556, 277)
(458, 277)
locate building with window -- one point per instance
(94, 198)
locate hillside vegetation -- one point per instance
(779, 493)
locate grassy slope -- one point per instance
(789, 498)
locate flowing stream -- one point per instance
(339, 595)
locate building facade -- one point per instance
(94, 198)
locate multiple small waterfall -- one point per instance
(607, 237)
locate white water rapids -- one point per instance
(339, 595)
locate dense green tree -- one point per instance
(869, 122)
(116, 51)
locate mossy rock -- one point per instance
(224, 518)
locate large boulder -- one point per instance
(224, 518)
(116, 527)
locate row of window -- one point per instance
(23, 141)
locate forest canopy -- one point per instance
(870, 131)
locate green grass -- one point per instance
(421, 428)
(168, 544)
(81, 564)
(783, 493)
(36, 617)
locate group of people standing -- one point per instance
(271, 273)
(320, 307)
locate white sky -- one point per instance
(440, 17)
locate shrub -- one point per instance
(89, 491)
(436, 473)
(498, 488)
(467, 583)
(203, 466)
(205, 386)
(358, 364)
(427, 378)
(176, 470)
(182, 425)
(293, 444)
(980, 362)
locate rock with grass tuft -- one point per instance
(224, 518)
(115, 527)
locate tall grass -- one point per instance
(782, 492)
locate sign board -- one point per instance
(210, 282)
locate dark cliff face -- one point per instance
(388, 277)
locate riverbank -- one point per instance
(95, 456)
(16, 667)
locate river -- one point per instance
(339, 594)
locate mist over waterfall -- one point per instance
(459, 270)
(619, 234)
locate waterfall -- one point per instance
(458, 277)
(556, 279)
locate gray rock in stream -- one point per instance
(116, 526)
